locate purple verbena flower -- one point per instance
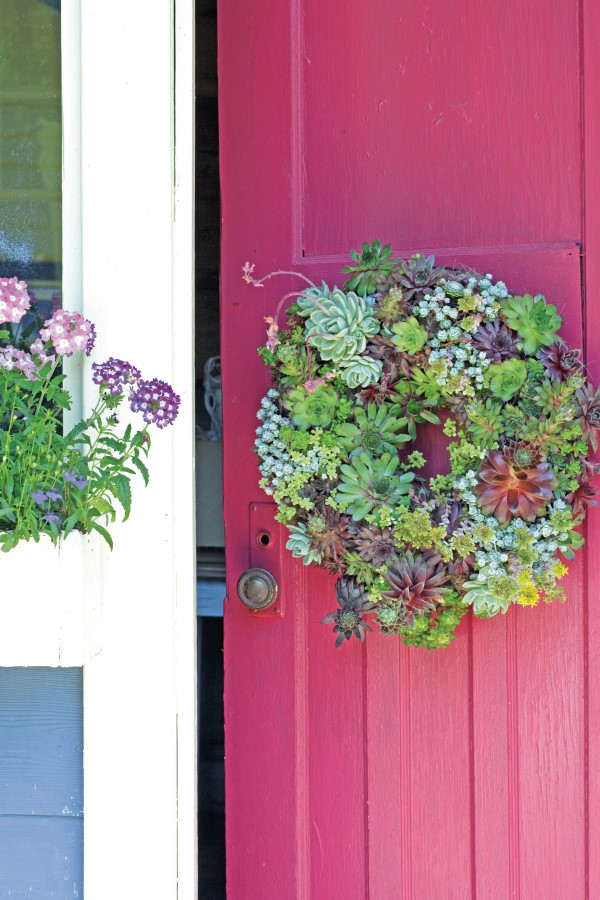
(72, 478)
(91, 339)
(53, 518)
(40, 497)
(157, 401)
(114, 374)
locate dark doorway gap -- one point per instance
(211, 769)
(208, 201)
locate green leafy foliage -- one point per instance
(52, 483)
(373, 260)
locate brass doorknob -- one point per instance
(257, 589)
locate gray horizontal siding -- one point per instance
(41, 783)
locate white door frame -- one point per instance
(128, 190)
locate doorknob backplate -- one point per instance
(265, 541)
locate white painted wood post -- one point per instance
(137, 287)
(71, 188)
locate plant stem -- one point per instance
(258, 282)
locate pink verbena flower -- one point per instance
(38, 351)
(14, 300)
(69, 332)
(11, 358)
(157, 401)
(114, 374)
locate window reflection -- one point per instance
(31, 145)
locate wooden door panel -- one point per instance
(383, 771)
(449, 124)
(336, 757)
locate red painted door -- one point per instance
(379, 771)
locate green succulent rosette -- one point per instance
(533, 319)
(374, 430)
(367, 483)
(312, 409)
(506, 379)
(293, 363)
(409, 336)
(358, 375)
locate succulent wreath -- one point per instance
(355, 372)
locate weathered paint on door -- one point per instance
(453, 127)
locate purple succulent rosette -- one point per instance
(356, 372)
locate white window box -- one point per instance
(50, 601)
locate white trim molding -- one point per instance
(136, 246)
(71, 188)
(54, 619)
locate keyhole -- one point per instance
(264, 539)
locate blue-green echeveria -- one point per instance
(300, 544)
(485, 600)
(361, 371)
(311, 297)
(340, 325)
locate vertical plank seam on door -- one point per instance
(296, 130)
(301, 726)
(585, 580)
(513, 811)
(472, 764)
(586, 721)
(585, 646)
(405, 768)
(366, 806)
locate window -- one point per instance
(31, 146)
